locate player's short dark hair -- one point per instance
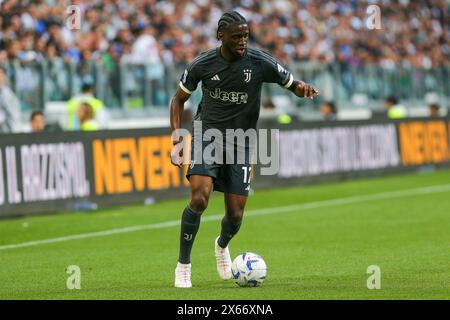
(434, 106)
(87, 83)
(392, 99)
(332, 106)
(228, 19)
(34, 114)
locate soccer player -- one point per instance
(231, 76)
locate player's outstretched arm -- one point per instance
(176, 112)
(303, 90)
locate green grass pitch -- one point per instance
(318, 242)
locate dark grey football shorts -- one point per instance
(227, 177)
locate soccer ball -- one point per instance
(249, 270)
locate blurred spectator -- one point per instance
(37, 121)
(87, 96)
(434, 110)
(146, 51)
(414, 33)
(268, 105)
(329, 111)
(86, 117)
(268, 110)
(394, 109)
(9, 106)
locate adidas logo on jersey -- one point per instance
(281, 69)
(216, 77)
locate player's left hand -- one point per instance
(306, 90)
(176, 155)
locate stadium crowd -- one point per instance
(172, 32)
(415, 33)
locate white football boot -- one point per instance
(223, 261)
(183, 275)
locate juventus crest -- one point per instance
(248, 75)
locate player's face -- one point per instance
(235, 40)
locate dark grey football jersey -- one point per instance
(232, 90)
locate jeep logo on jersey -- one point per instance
(248, 75)
(236, 97)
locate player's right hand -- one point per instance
(309, 91)
(176, 155)
(306, 90)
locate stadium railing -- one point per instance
(135, 86)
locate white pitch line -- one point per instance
(249, 213)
